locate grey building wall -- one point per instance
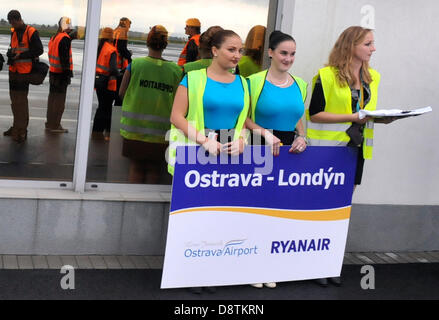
(405, 166)
(67, 227)
(396, 208)
(44, 226)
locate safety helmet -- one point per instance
(65, 23)
(106, 33)
(193, 22)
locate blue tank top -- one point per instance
(222, 103)
(279, 108)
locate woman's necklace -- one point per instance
(282, 84)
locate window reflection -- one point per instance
(251, 62)
(119, 155)
(38, 114)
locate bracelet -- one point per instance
(303, 137)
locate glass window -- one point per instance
(127, 146)
(38, 116)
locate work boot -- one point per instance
(323, 282)
(58, 130)
(19, 137)
(335, 281)
(210, 289)
(96, 135)
(195, 290)
(8, 132)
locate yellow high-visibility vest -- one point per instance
(257, 82)
(197, 80)
(339, 101)
(147, 103)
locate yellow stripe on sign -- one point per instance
(310, 215)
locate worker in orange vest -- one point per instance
(190, 50)
(120, 41)
(60, 74)
(25, 48)
(106, 68)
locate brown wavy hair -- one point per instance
(342, 55)
(206, 41)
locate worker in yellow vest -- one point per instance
(251, 62)
(60, 74)
(25, 48)
(346, 85)
(190, 51)
(148, 89)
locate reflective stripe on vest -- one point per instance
(103, 69)
(21, 65)
(257, 82)
(195, 116)
(339, 101)
(112, 84)
(149, 131)
(146, 105)
(182, 58)
(148, 117)
(54, 59)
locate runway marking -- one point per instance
(38, 118)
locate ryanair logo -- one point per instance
(293, 246)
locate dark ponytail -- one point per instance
(277, 37)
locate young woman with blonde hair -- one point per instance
(346, 85)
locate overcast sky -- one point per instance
(238, 15)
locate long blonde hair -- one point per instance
(342, 54)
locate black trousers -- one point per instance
(102, 119)
(56, 100)
(18, 91)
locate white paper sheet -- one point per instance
(393, 112)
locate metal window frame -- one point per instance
(285, 15)
(280, 17)
(84, 116)
(86, 94)
(275, 20)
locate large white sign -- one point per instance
(229, 225)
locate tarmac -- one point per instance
(45, 156)
(365, 276)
